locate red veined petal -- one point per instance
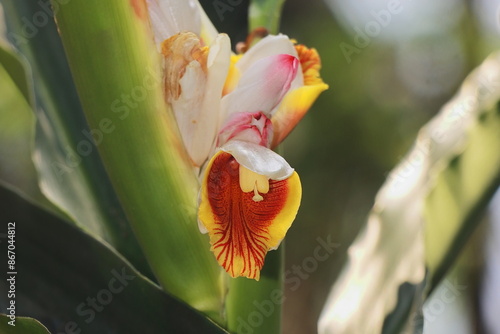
(244, 226)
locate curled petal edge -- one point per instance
(259, 159)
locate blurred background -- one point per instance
(390, 65)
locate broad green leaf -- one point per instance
(471, 173)
(16, 137)
(15, 68)
(265, 13)
(69, 280)
(21, 325)
(116, 69)
(17, 123)
(70, 171)
(424, 213)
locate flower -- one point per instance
(231, 111)
(250, 196)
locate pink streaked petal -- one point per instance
(263, 86)
(268, 46)
(248, 127)
(169, 17)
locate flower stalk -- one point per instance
(266, 14)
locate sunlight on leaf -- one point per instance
(425, 211)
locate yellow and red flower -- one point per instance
(231, 111)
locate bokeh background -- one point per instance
(391, 65)
(383, 87)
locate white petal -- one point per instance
(268, 46)
(259, 159)
(262, 87)
(187, 107)
(202, 228)
(197, 108)
(169, 17)
(208, 32)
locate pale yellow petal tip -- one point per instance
(293, 108)
(233, 76)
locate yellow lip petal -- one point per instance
(242, 229)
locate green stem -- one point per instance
(255, 306)
(265, 13)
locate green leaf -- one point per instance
(21, 325)
(471, 176)
(17, 123)
(16, 133)
(424, 213)
(16, 71)
(69, 280)
(265, 13)
(255, 306)
(117, 72)
(71, 174)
